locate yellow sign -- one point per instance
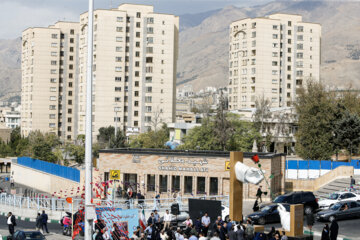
(114, 174)
(227, 166)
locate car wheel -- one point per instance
(227, 218)
(308, 210)
(262, 221)
(332, 218)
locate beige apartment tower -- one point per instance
(271, 57)
(134, 68)
(49, 79)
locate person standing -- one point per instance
(44, 220)
(325, 233)
(249, 231)
(38, 222)
(205, 222)
(334, 230)
(167, 220)
(11, 222)
(352, 183)
(310, 220)
(258, 194)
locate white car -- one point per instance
(337, 197)
(224, 212)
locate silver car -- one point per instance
(339, 211)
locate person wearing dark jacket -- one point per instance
(232, 234)
(38, 224)
(197, 225)
(256, 206)
(258, 194)
(310, 220)
(325, 233)
(240, 233)
(44, 220)
(11, 222)
(334, 230)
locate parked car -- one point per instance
(339, 211)
(28, 235)
(306, 198)
(267, 214)
(337, 197)
(225, 212)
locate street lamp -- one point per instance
(88, 126)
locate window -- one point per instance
(175, 183)
(54, 36)
(253, 43)
(275, 27)
(213, 186)
(71, 58)
(299, 73)
(117, 79)
(274, 90)
(253, 25)
(119, 29)
(275, 45)
(148, 109)
(71, 49)
(138, 14)
(118, 49)
(150, 20)
(117, 99)
(69, 102)
(188, 184)
(136, 123)
(149, 50)
(149, 69)
(163, 179)
(289, 41)
(275, 36)
(136, 93)
(117, 69)
(53, 44)
(52, 107)
(148, 89)
(119, 39)
(275, 54)
(52, 116)
(300, 37)
(274, 63)
(150, 183)
(300, 29)
(150, 40)
(71, 40)
(137, 24)
(52, 125)
(274, 81)
(150, 30)
(147, 119)
(149, 60)
(53, 71)
(117, 59)
(53, 89)
(274, 72)
(137, 44)
(69, 110)
(119, 19)
(72, 31)
(253, 34)
(300, 55)
(54, 54)
(289, 32)
(148, 99)
(52, 98)
(136, 103)
(53, 80)
(70, 75)
(300, 46)
(117, 89)
(200, 187)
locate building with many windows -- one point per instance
(271, 56)
(134, 71)
(49, 79)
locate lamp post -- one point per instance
(88, 135)
(116, 110)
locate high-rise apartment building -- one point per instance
(49, 79)
(134, 68)
(271, 57)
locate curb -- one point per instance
(27, 219)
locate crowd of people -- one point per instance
(201, 229)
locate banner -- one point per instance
(126, 220)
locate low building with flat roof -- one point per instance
(192, 173)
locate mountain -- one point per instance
(10, 68)
(203, 53)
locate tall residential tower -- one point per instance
(49, 79)
(134, 71)
(271, 57)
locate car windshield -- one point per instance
(335, 206)
(33, 235)
(280, 199)
(334, 196)
(266, 208)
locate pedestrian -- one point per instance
(258, 194)
(167, 220)
(202, 237)
(215, 236)
(256, 206)
(352, 183)
(249, 231)
(205, 222)
(310, 220)
(334, 230)
(271, 233)
(232, 234)
(156, 217)
(11, 222)
(151, 219)
(197, 225)
(38, 222)
(188, 222)
(44, 220)
(240, 233)
(284, 237)
(325, 233)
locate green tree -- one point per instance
(347, 132)
(118, 141)
(78, 153)
(316, 109)
(5, 149)
(105, 134)
(151, 139)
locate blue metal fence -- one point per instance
(51, 168)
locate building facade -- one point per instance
(134, 75)
(271, 57)
(192, 173)
(49, 79)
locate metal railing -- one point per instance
(55, 204)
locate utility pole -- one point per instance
(88, 135)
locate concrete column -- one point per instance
(194, 186)
(207, 185)
(182, 190)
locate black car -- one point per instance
(339, 211)
(307, 198)
(267, 214)
(28, 235)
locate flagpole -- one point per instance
(88, 134)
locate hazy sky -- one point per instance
(17, 15)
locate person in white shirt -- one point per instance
(11, 222)
(188, 222)
(205, 222)
(163, 235)
(167, 220)
(201, 236)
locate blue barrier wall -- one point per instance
(51, 168)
